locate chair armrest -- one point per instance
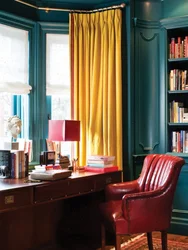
(145, 207)
(118, 190)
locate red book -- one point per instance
(172, 47)
(101, 170)
(179, 47)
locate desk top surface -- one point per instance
(8, 184)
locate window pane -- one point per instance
(14, 55)
(57, 64)
(6, 104)
(58, 80)
(58, 75)
(14, 77)
(60, 107)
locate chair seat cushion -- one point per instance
(112, 217)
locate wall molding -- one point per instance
(174, 22)
(147, 24)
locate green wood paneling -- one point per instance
(148, 10)
(179, 221)
(147, 92)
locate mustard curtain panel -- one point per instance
(96, 78)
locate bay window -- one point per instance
(34, 76)
(14, 76)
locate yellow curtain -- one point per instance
(96, 78)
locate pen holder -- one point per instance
(75, 165)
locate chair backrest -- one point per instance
(160, 171)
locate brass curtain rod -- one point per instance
(47, 9)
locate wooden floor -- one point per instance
(82, 246)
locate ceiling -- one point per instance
(73, 4)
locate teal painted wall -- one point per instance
(55, 16)
(174, 8)
(16, 8)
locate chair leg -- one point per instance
(150, 241)
(103, 237)
(118, 242)
(164, 240)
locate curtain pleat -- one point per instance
(97, 82)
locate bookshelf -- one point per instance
(173, 28)
(177, 90)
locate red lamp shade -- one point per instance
(64, 130)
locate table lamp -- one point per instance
(63, 130)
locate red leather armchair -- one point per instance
(143, 205)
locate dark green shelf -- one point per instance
(182, 124)
(184, 59)
(171, 92)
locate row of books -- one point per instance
(100, 163)
(180, 141)
(19, 164)
(178, 80)
(54, 146)
(178, 113)
(178, 47)
(27, 146)
(14, 164)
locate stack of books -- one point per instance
(100, 164)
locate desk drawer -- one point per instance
(105, 179)
(15, 198)
(51, 191)
(81, 186)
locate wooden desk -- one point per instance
(33, 214)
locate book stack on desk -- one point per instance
(50, 175)
(100, 164)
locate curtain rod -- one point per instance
(47, 9)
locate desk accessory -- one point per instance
(51, 175)
(47, 157)
(63, 130)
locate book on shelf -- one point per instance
(101, 170)
(177, 79)
(178, 47)
(177, 112)
(180, 141)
